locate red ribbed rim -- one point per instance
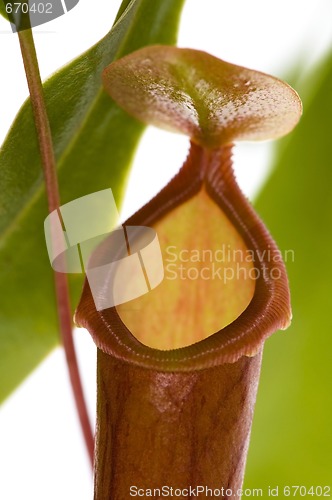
(269, 309)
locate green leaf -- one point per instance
(291, 442)
(3, 10)
(94, 142)
(192, 92)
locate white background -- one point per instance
(41, 452)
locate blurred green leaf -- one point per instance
(292, 434)
(94, 142)
(3, 10)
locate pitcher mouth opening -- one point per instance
(265, 309)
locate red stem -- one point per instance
(52, 190)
